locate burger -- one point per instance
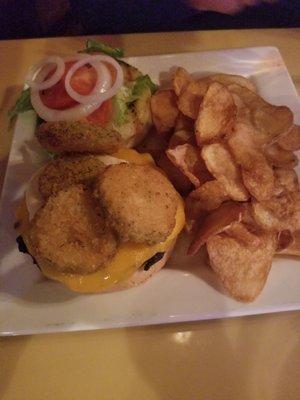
(89, 102)
(100, 223)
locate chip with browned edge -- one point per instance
(216, 222)
(188, 159)
(222, 166)
(217, 114)
(164, 110)
(243, 270)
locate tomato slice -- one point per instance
(82, 81)
(103, 114)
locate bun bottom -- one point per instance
(141, 276)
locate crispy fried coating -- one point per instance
(69, 234)
(78, 137)
(139, 202)
(68, 170)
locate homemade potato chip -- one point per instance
(184, 123)
(258, 176)
(285, 239)
(243, 112)
(243, 270)
(200, 201)
(216, 222)
(181, 137)
(221, 165)
(243, 234)
(181, 183)
(231, 145)
(227, 79)
(188, 159)
(269, 121)
(164, 110)
(191, 97)
(216, 115)
(278, 213)
(286, 180)
(291, 140)
(180, 80)
(208, 196)
(294, 248)
(278, 157)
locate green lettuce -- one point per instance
(143, 82)
(23, 104)
(127, 95)
(92, 46)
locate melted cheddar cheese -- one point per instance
(129, 257)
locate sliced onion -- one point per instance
(81, 110)
(36, 75)
(101, 91)
(103, 83)
(52, 115)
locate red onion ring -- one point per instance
(34, 75)
(101, 92)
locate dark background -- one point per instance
(40, 18)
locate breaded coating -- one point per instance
(68, 170)
(77, 137)
(69, 234)
(139, 202)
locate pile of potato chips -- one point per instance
(231, 155)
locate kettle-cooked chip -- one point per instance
(246, 234)
(181, 137)
(206, 197)
(285, 239)
(269, 121)
(294, 248)
(180, 80)
(243, 270)
(164, 110)
(258, 176)
(216, 222)
(286, 180)
(217, 114)
(191, 97)
(228, 79)
(188, 159)
(290, 140)
(279, 213)
(278, 157)
(221, 165)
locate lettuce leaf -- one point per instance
(127, 95)
(23, 104)
(92, 46)
(121, 102)
(143, 82)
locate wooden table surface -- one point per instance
(244, 358)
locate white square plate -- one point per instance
(185, 290)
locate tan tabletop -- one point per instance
(243, 358)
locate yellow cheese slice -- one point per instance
(129, 257)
